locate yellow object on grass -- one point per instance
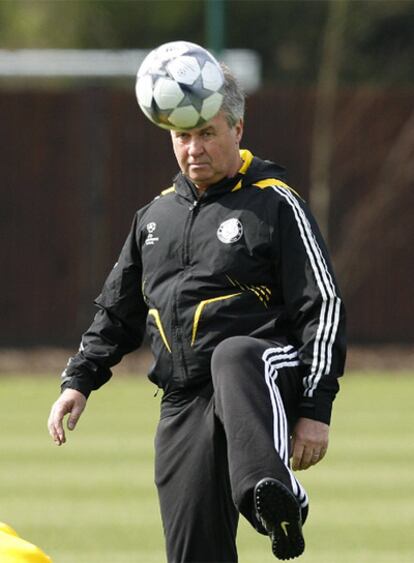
(14, 549)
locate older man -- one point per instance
(227, 272)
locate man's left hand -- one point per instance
(309, 443)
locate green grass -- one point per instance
(93, 500)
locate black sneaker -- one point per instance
(280, 514)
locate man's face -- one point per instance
(209, 153)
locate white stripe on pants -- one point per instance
(275, 359)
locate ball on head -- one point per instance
(180, 86)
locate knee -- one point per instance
(233, 353)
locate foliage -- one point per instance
(379, 44)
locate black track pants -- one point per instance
(213, 445)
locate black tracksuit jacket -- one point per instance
(246, 258)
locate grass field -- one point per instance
(93, 500)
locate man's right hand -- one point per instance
(70, 402)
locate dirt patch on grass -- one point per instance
(381, 358)
(53, 360)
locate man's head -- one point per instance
(210, 153)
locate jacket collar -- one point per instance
(252, 170)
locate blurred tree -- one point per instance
(324, 115)
(380, 42)
(109, 24)
(385, 213)
(288, 34)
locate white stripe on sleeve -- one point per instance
(330, 309)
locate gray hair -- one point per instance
(234, 98)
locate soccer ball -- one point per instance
(179, 86)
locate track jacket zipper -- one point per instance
(177, 344)
(193, 208)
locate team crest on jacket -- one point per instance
(230, 230)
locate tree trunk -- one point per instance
(323, 130)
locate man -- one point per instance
(229, 274)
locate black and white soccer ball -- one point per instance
(180, 86)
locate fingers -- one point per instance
(77, 410)
(297, 454)
(303, 458)
(310, 457)
(309, 443)
(71, 402)
(55, 422)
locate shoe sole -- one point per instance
(280, 513)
